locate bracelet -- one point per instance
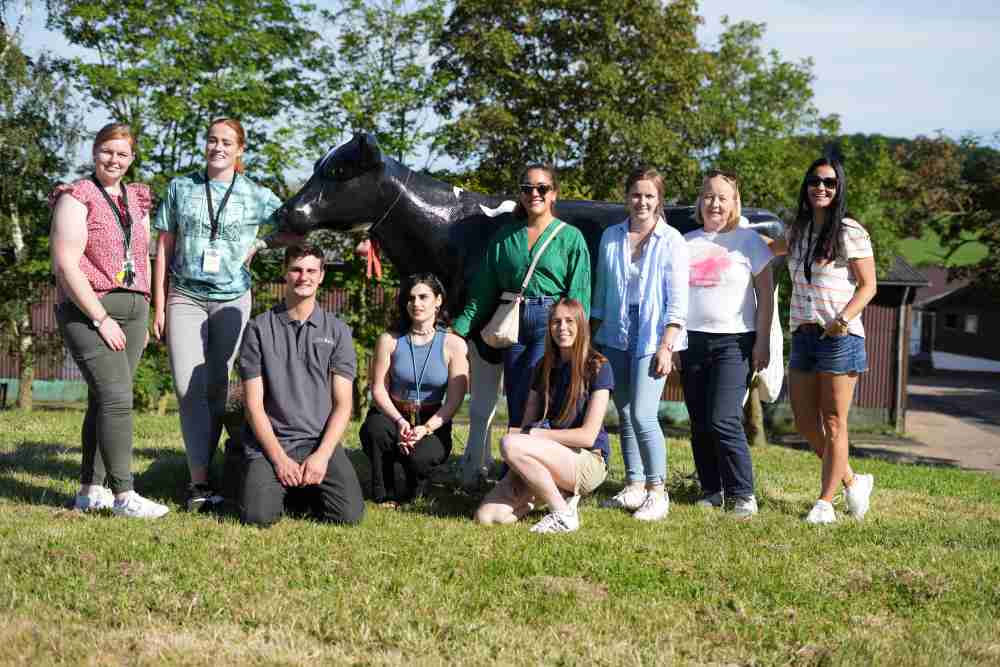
(401, 419)
(842, 322)
(260, 244)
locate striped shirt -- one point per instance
(833, 285)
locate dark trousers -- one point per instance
(337, 498)
(380, 441)
(715, 370)
(106, 436)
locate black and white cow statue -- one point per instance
(426, 225)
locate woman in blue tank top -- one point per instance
(419, 379)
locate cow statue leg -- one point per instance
(477, 460)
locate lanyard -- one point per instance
(127, 274)
(215, 216)
(413, 360)
(125, 221)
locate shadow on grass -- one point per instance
(874, 451)
(443, 495)
(42, 459)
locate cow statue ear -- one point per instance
(371, 154)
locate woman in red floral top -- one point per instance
(100, 257)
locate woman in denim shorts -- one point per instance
(833, 278)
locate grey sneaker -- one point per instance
(137, 507)
(712, 501)
(822, 512)
(630, 498)
(744, 507)
(858, 495)
(558, 522)
(100, 498)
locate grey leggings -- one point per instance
(203, 338)
(106, 435)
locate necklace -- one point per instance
(417, 332)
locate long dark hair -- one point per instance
(519, 211)
(828, 244)
(584, 363)
(403, 319)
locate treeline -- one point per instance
(593, 86)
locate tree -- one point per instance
(377, 75)
(757, 119)
(955, 190)
(597, 86)
(167, 68)
(38, 126)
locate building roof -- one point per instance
(939, 285)
(904, 275)
(966, 297)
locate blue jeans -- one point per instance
(521, 358)
(715, 370)
(637, 398)
(839, 355)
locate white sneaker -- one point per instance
(711, 502)
(573, 502)
(99, 498)
(558, 522)
(137, 507)
(655, 507)
(744, 507)
(630, 498)
(822, 512)
(858, 495)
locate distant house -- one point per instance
(955, 326)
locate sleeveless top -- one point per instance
(429, 362)
(104, 253)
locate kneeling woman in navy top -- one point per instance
(419, 380)
(562, 449)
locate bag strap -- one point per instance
(538, 255)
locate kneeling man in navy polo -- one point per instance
(297, 363)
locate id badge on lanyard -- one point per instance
(126, 276)
(211, 261)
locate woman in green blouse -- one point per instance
(562, 271)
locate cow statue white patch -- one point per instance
(457, 190)
(504, 207)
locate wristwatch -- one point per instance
(97, 323)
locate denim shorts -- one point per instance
(830, 354)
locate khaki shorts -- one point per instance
(590, 471)
(513, 492)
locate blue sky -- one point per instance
(887, 66)
(890, 67)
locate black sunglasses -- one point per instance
(543, 188)
(813, 181)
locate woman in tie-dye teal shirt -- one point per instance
(208, 233)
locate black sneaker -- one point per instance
(201, 498)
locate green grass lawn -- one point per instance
(927, 251)
(915, 584)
